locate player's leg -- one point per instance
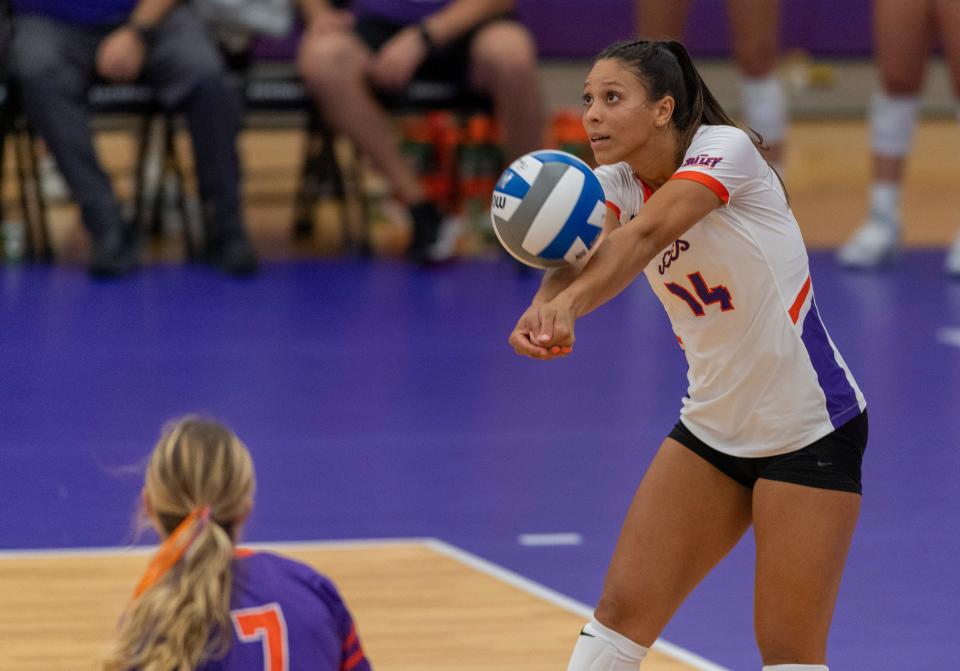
(660, 19)
(948, 21)
(333, 66)
(805, 508)
(686, 515)
(902, 33)
(756, 26)
(503, 63)
(803, 534)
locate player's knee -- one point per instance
(892, 122)
(507, 50)
(329, 58)
(900, 84)
(757, 59)
(613, 611)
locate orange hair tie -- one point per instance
(173, 548)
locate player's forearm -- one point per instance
(554, 281)
(461, 16)
(310, 8)
(617, 262)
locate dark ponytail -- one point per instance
(665, 68)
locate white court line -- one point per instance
(558, 599)
(949, 336)
(441, 547)
(546, 540)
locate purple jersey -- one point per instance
(88, 12)
(287, 617)
(399, 11)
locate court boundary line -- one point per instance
(439, 546)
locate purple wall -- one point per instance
(580, 28)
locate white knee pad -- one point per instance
(796, 667)
(601, 649)
(892, 120)
(765, 106)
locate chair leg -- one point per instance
(145, 214)
(308, 188)
(173, 168)
(330, 175)
(37, 240)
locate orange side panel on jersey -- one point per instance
(614, 209)
(710, 182)
(799, 300)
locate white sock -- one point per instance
(796, 667)
(885, 203)
(601, 649)
(765, 106)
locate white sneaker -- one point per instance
(952, 264)
(875, 244)
(52, 183)
(448, 240)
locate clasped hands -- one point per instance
(545, 330)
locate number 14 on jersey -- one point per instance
(705, 294)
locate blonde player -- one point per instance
(204, 604)
(773, 428)
(903, 32)
(755, 25)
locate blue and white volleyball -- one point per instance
(548, 209)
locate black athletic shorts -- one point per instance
(833, 462)
(449, 64)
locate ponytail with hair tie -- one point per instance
(173, 548)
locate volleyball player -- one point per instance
(773, 428)
(755, 25)
(203, 603)
(903, 33)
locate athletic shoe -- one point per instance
(115, 253)
(233, 255)
(952, 264)
(875, 244)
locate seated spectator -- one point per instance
(202, 603)
(60, 48)
(383, 44)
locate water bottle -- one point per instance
(14, 237)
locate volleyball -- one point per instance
(548, 209)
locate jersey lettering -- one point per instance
(265, 624)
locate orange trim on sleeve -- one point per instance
(352, 660)
(711, 183)
(240, 553)
(351, 637)
(799, 301)
(614, 209)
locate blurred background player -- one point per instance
(381, 44)
(203, 603)
(755, 25)
(903, 37)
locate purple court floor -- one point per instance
(383, 401)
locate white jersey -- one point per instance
(764, 376)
